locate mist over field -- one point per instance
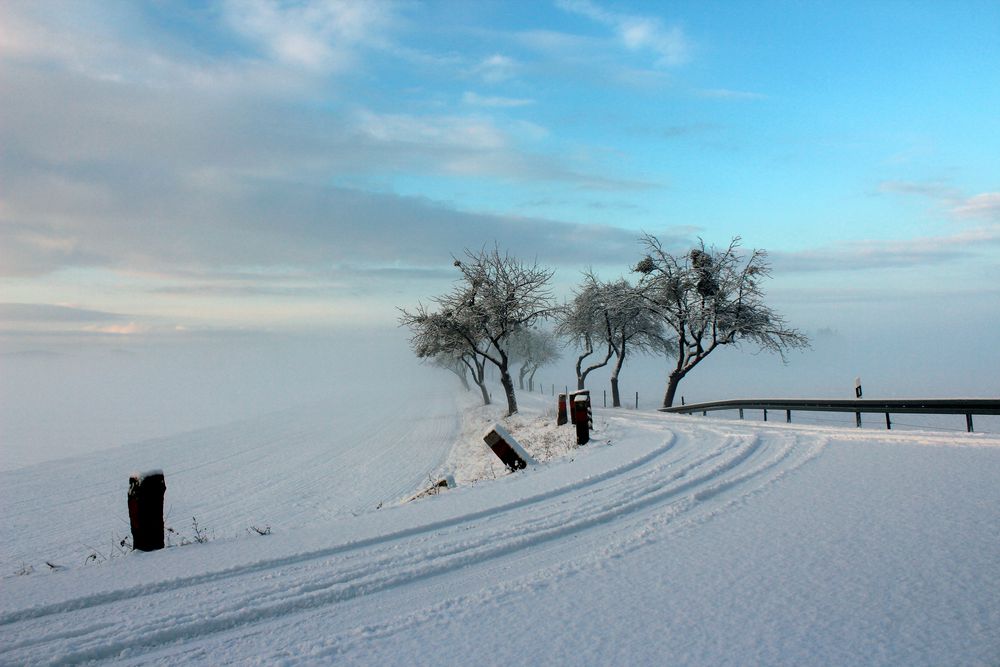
(85, 394)
(98, 394)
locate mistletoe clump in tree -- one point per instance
(709, 298)
(496, 298)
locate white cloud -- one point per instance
(476, 100)
(727, 94)
(557, 44)
(192, 160)
(496, 68)
(888, 254)
(39, 312)
(130, 329)
(985, 205)
(317, 35)
(938, 190)
(637, 33)
(441, 131)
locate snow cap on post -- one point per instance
(145, 509)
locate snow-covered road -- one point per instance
(683, 541)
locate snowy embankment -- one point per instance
(667, 540)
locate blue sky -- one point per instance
(172, 168)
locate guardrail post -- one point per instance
(857, 419)
(765, 414)
(968, 421)
(741, 413)
(888, 424)
(788, 416)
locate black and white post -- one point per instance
(857, 394)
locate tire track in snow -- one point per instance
(641, 484)
(326, 462)
(212, 577)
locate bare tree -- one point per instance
(631, 327)
(709, 298)
(584, 323)
(612, 317)
(456, 364)
(532, 348)
(435, 337)
(496, 297)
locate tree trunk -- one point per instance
(675, 379)
(486, 394)
(615, 397)
(480, 379)
(463, 378)
(580, 375)
(508, 387)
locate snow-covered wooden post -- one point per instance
(585, 393)
(581, 405)
(145, 509)
(507, 448)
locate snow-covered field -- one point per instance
(667, 540)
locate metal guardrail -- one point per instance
(930, 406)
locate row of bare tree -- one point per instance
(683, 305)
